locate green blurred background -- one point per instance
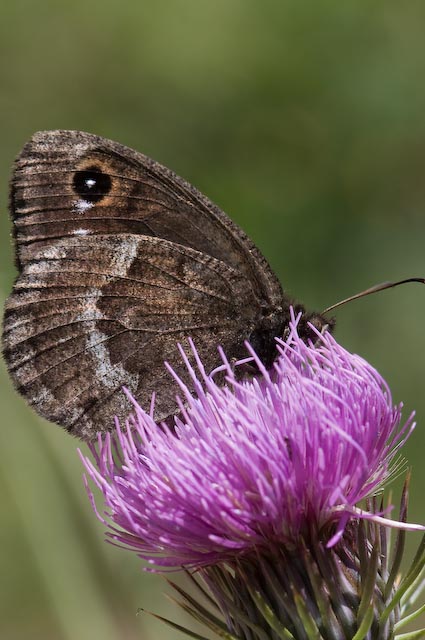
(306, 121)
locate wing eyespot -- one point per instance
(91, 184)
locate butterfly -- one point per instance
(120, 260)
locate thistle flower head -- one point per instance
(257, 463)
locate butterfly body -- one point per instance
(119, 260)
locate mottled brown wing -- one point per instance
(133, 194)
(120, 260)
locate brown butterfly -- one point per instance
(119, 260)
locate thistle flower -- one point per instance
(256, 489)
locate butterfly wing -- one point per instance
(119, 260)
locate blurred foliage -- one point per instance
(306, 121)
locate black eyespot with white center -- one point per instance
(92, 184)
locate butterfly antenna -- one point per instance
(375, 289)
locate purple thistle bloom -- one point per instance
(257, 464)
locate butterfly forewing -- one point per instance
(49, 199)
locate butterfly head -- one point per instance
(275, 323)
(312, 322)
